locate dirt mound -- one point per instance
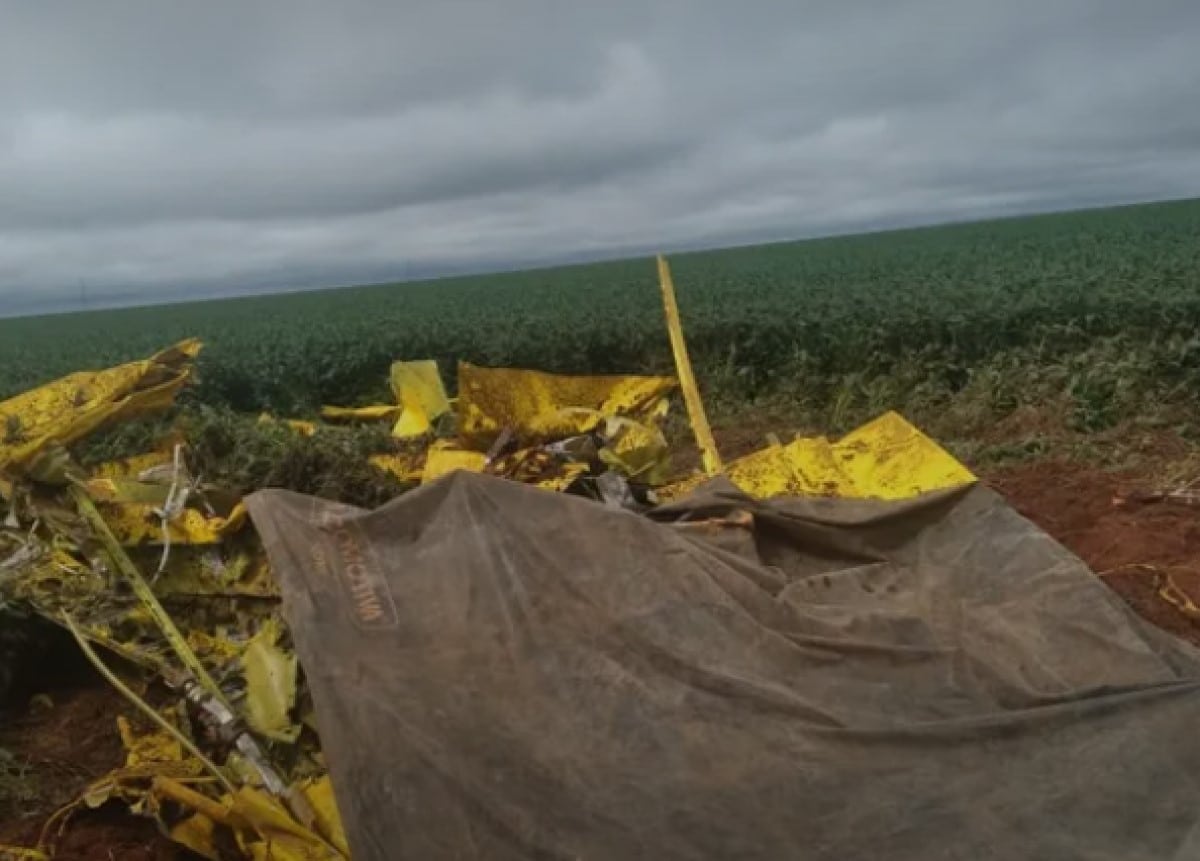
(56, 744)
(1149, 553)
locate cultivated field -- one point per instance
(1097, 312)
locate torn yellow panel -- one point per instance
(637, 450)
(567, 476)
(270, 675)
(215, 649)
(542, 407)
(417, 387)
(132, 467)
(62, 412)
(276, 835)
(887, 458)
(196, 833)
(445, 457)
(127, 490)
(539, 467)
(319, 793)
(891, 459)
(149, 748)
(402, 465)
(136, 524)
(380, 412)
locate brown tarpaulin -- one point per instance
(502, 672)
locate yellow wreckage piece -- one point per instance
(137, 524)
(417, 387)
(886, 458)
(406, 467)
(62, 412)
(131, 468)
(445, 457)
(420, 401)
(270, 674)
(157, 770)
(709, 456)
(542, 407)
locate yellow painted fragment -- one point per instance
(137, 524)
(543, 407)
(319, 793)
(276, 835)
(445, 457)
(62, 412)
(886, 458)
(417, 387)
(890, 459)
(132, 467)
(127, 490)
(149, 748)
(8, 852)
(403, 466)
(264, 829)
(637, 450)
(568, 473)
(709, 456)
(380, 412)
(538, 467)
(270, 675)
(196, 833)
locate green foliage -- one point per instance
(239, 454)
(839, 328)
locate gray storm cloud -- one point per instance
(153, 149)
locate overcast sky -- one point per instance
(160, 149)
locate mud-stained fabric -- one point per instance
(501, 672)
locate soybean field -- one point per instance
(1101, 308)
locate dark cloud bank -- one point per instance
(160, 150)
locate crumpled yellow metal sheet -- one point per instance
(445, 457)
(62, 412)
(132, 468)
(379, 412)
(404, 466)
(542, 407)
(887, 458)
(417, 387)
(636, 449)
(157, 769)
(420, 401)
(136, 524)
(270, 674)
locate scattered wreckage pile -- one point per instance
(845, 646)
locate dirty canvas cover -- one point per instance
(502, 672)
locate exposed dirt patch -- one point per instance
(107, 834)
(1149, 553)
(57, 742)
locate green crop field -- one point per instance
(1099, 308)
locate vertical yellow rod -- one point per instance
(709, 456)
